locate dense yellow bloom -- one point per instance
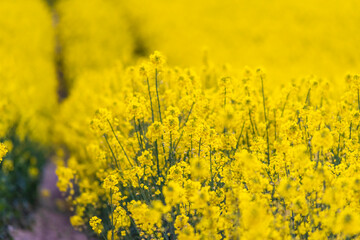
(195, 163)
(201, 151)
(211, 151)
(148, 218)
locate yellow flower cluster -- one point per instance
(3, 151)
(167, 155)
(95, 224)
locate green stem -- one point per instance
(120, 143)
(188, 116)
(199, 147)
(211, 173)
(112, 152)
(157, 158)
(283, 109)
(238, 141)
(170, 151)
(152, 110)
(137, 136)
(308, 97)
(112, 216)
(157, 93)
(275, 123)
(266, 121)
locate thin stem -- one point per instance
(186, 120)
(263, 95)
(224, 107)
(283, 109)
(308, 97)
(157, 93)
(119, 143)
(211, 173)
(142, 131)
(275, 122)
(137, 136)
(152, 110)
(157, 158)
(199, 147)
(177, 143)
(358, 98)
(238, 141)
(252, 125)
(266, 121)
(112, 152)
(188, 116)
(191, 145)
(112, 216)
(170, 150)
(350, 128)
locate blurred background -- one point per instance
(287, 38)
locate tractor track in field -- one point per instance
(48, 221)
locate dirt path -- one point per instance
(50, 223)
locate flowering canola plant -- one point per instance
(212, 154)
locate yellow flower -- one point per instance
(173, 193)
(96, 225)
(146, 158)
(111, 181)
(65, 175)
(100, 124)
(181, 221)
(3, 151)
(155, 131)
(33, 172)
(157, 59)
(322, 139)
(348, 222)
(76, 221)
(200, 168)
(121, 219)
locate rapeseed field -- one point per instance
(184, 119)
